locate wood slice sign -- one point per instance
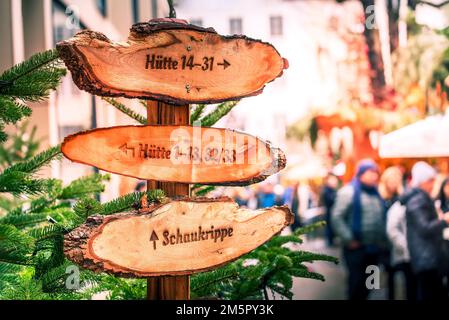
(170, 60)
(186, 154)
(174, 238)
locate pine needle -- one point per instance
(129, 112)
(196, 114)
(219, 112)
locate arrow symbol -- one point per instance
(124, 147)
(154, 238)
(225, 64)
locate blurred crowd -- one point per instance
(393, 220)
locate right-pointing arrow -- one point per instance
(225, 64)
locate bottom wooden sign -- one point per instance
(177, 237)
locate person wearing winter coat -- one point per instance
(327, 200)
(358, 219)
(442, 204)
(425, 234)
(390, 188)
(397, 234)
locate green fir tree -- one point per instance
(36, 212)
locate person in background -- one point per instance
(425, 233)
(443, 196)
(358, 219)
(442, 205)
(327, 200)
(291, 199)
(398, 259)
(390, 186)
(266, 197)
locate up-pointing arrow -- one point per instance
(154, 238)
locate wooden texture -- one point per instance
(176, 154)
(174, 238)
(171, 61)
(168, 287)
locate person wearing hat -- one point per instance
(425, 233)
(358, 219)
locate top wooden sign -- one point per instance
(170, 60)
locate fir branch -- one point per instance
(8, 274)
(36, 86)
(131, 201)
(20, 183)
(203, 191)
(304, 256)
(204, 284)
(21, 221)
(220, 111)
(46, 232)
(87, 207)
(35, 163)
(15, 246)
(32, 79)
(37, 61)
(309, 228)
(12, 111)
(197, 113)
(129, 112)
(303, 273)
(84, 185)
(281, 240)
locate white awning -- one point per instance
(423, 139)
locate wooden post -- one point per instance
(168, 287)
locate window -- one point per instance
(197, 22)
(276, 25)
(101, 5)
(235, 26)
(135, 10)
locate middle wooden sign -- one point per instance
(185, 154)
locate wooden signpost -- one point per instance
(171, 64)
(171, 61)
(178, 237)
(176, 154)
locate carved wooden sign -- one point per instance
(173, 61)
(174, 238)
(176, 154)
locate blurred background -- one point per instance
(366, 78)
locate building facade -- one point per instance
(32, 26)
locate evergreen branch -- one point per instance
(53, 188)
(35, 163)
(309, 228)
(84, 185)
(281, 240)
(36, 86)
(203, 283)
(46, 232)
(131, 201)
(303, 273)
(20, 183)
(20, 70)
(21, 221)
(196, 114)
(129, 112)
(15, 246)
(220, 111)
(8, 274)
(87, 207)
(203, 191)
(12, 111)
(304, 256)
